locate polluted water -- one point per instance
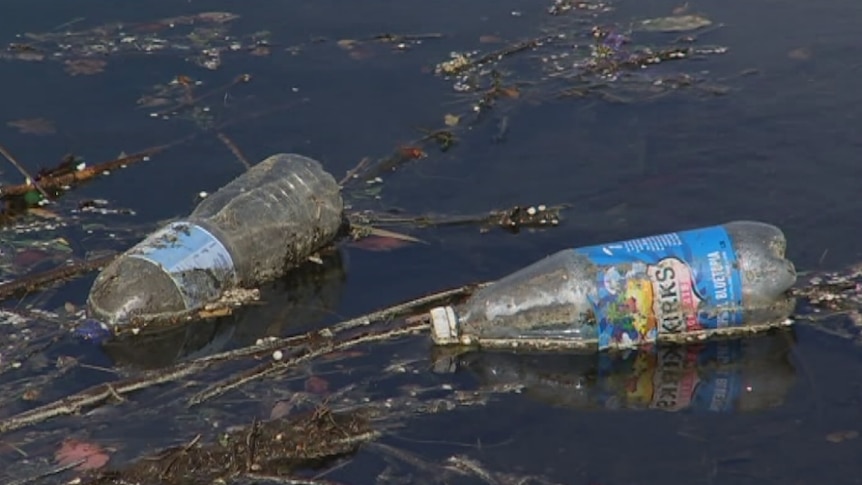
(265, 222)
(669, 287)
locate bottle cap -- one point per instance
(444, 325)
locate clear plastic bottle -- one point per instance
(255, 228)
(627, 293)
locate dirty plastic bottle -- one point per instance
(255, 228)
(628, 293)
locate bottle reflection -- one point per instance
(741, 375)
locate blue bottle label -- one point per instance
(670, 283)
(197, 262)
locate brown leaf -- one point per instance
(844, 435)
(260, 51)
(280, 410)
(72, 451)
(377, 243)
(680, 10)
(376, 231)
(44, 213)
(316, 385)
(489, 39)
(510, 92)
(451, 120)
(85, 66)
(33, 126)
(347, 44)
(800, 54)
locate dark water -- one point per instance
(782, 146)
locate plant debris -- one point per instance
(201, 38)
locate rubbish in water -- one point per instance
(265, 222)
(676, 23)
(629, 293)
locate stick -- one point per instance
(94, 396)
(35, 281)
(61, 181)
(219, 388)
(233, 149)
(23, 172)
(241, 79)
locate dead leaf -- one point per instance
(85, 67)
(43, 213)
(217, 17)
(33, 126)
(489, 39)
(280, 410)
(800, 54)
(681, 9)
(377, 243)
(510, 92)
(451, 120)
(347, 44)
(361, 53)
(260, 51)
(92, 456)
(153, 101)
(676, 23)
(839, 436)
(316, 385)
(376, 231)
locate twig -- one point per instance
(398, 38)
(510, 219)
(177, 454)
(395, 311)
(233, 149)
(94, 396)
(257, 477)
(61, 181)
(241, 79)
(353, 171)
(504, 52)
(21, 169)
(219, 388)
(35, 281)
(53, 471)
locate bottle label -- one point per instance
(670, 283)
(197, 262)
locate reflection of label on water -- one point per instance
(670, 283)
(196, 261)
(667, 380)
(675, 379)
(701, 377)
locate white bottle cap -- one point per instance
(444, 325)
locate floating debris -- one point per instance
(676, 23)
(86, 67)
(201, 38)
(582, 53)
(33, 126)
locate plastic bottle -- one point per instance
(255, 228)
(628, 293)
